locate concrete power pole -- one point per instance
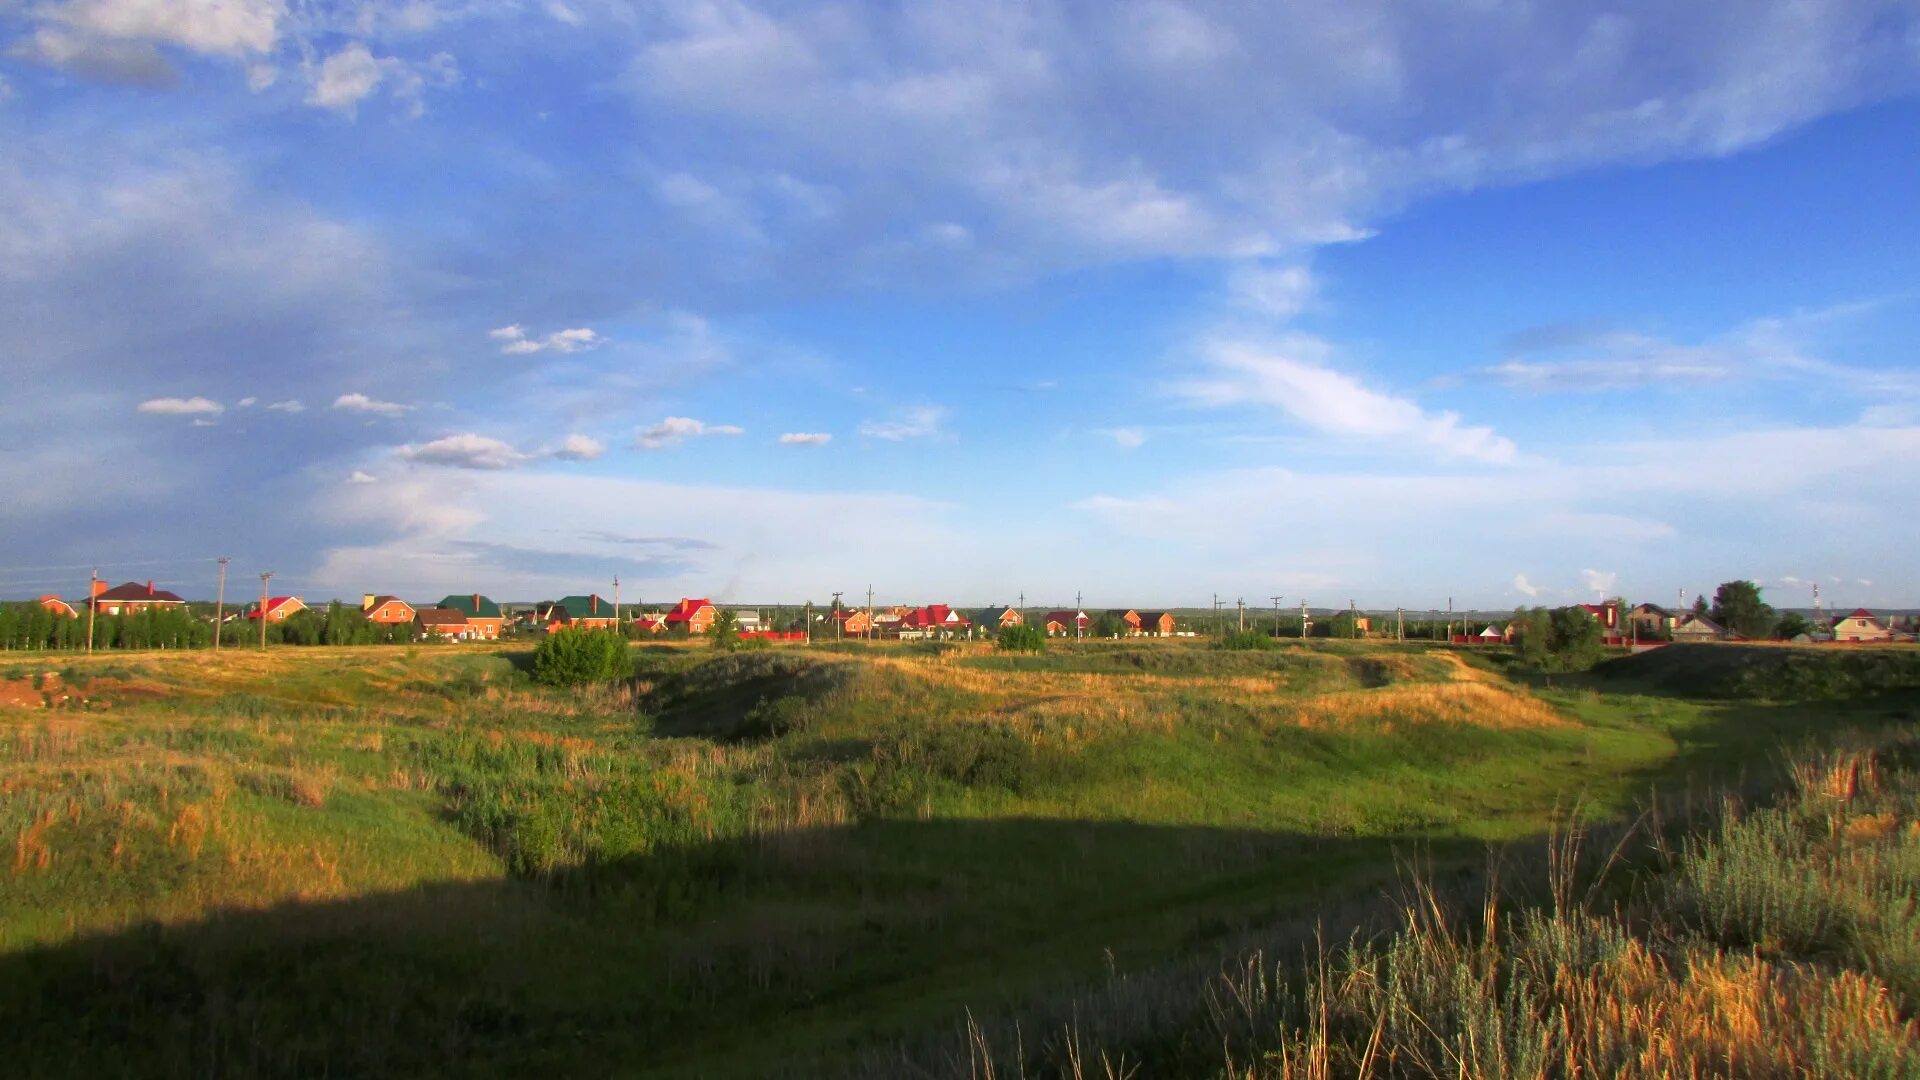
(616, 601)
(809, 618)
(1400, 619)
(1242, 604)
(93, 604)
(1304, 624)
(839, 624)
(264, 578)
(870, 627)
(1276, 614)
(1079, 620)
(220, 603)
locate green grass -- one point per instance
(360, 860)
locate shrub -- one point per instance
(1021, 639)
(1248, 639)
(724, 632)
(570, 656)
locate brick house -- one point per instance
(131, 598)
(854, 623)
(58, 606)
(279, 608)
(1156, 624)
(695, 615)
(442, 622)
(589, 612)
(386, 610)
(997, 618)
(483, 617)
(1129, 617)
(1067, 623)
(1649, 620)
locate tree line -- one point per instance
(27, 625)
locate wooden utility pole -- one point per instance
(264, 578)
(93, 603)
(220, 603)
(1276, 614)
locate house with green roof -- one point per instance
(484, 619)
(590, 612)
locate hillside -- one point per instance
(1768, 672)
(414, 861)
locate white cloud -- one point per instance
(921, 422)
(676, 429)
(1525, 587)
(1132, 438)
(359, 477)
(580, 448)
(1599, 581)
(288, 406)
(133, 63)
(467, 451)
(213, 27)
(516, 342)
(361, 403)
(1279, 292)
(345, 79)
(261, 76)
(805, 438)
(1291, 374)
(6, 90)
(173, 406)
(246, 402)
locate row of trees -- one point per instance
(30, 626)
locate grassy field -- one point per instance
(412, 860)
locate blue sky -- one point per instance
(1148, 301)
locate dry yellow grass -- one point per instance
(1466, 703)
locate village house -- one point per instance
(997, 618)
(279, 608)
(483, 618)
(1860, 625)
(1649, 621)
(131, 598)
(854, 623)
(589, 612)
(1128, 617)
(1067, 623)
(386, 610)
(58, 606)
(1156, 624)
(694, 615)
(1694, 627)
(442, 622)
(934, 620)
(748, 621)
(1608, 616)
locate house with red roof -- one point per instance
(1860, 625)
(132, 597)
(386, 610)
(1067, 623)
(279, 608)
(442, 622)
(934, 620)
(695, 615)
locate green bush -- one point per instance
(570, 656)
(1248, 639)
(1021, 639)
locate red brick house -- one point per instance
(695, 615)
(386, 610)
(1129, 617)
(582, 612)
(441, 622)
(483, 616)
(854, 623)
(132, 597)
(930, 621)
(1067, 623)
(58, 606)
(1156, 624)
(279, 608)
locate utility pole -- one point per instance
(264, 578)
(1400, 615)
(1242, 602)
(870, 626)
(220, 603)
(1079, 620)
(1276, 614)
(616, 601)
(809, 618)
(839, 624)
(1353, 621)
(93, 603)
(1304, 624)
(1216, 615)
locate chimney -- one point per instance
(149, 586)
(594, 602)
(476, 605)
(366, 601)
(99, 587)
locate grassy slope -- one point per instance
(430, 862)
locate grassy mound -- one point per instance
(744, 695)
(1767, 672)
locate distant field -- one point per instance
(413, 860)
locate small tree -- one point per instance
(1792, 625)
(1021, 639)
(724, 631)
(1564, 639)
(571, 656)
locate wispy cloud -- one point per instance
(805, 438)
(1292, 374)
(515, 341)
(1131, 438)
(921, 422)
(1525, 587)
(359, 477)
(580, 448)
(361, 403)
(173, 406)
(288, 406)
(677, 429)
